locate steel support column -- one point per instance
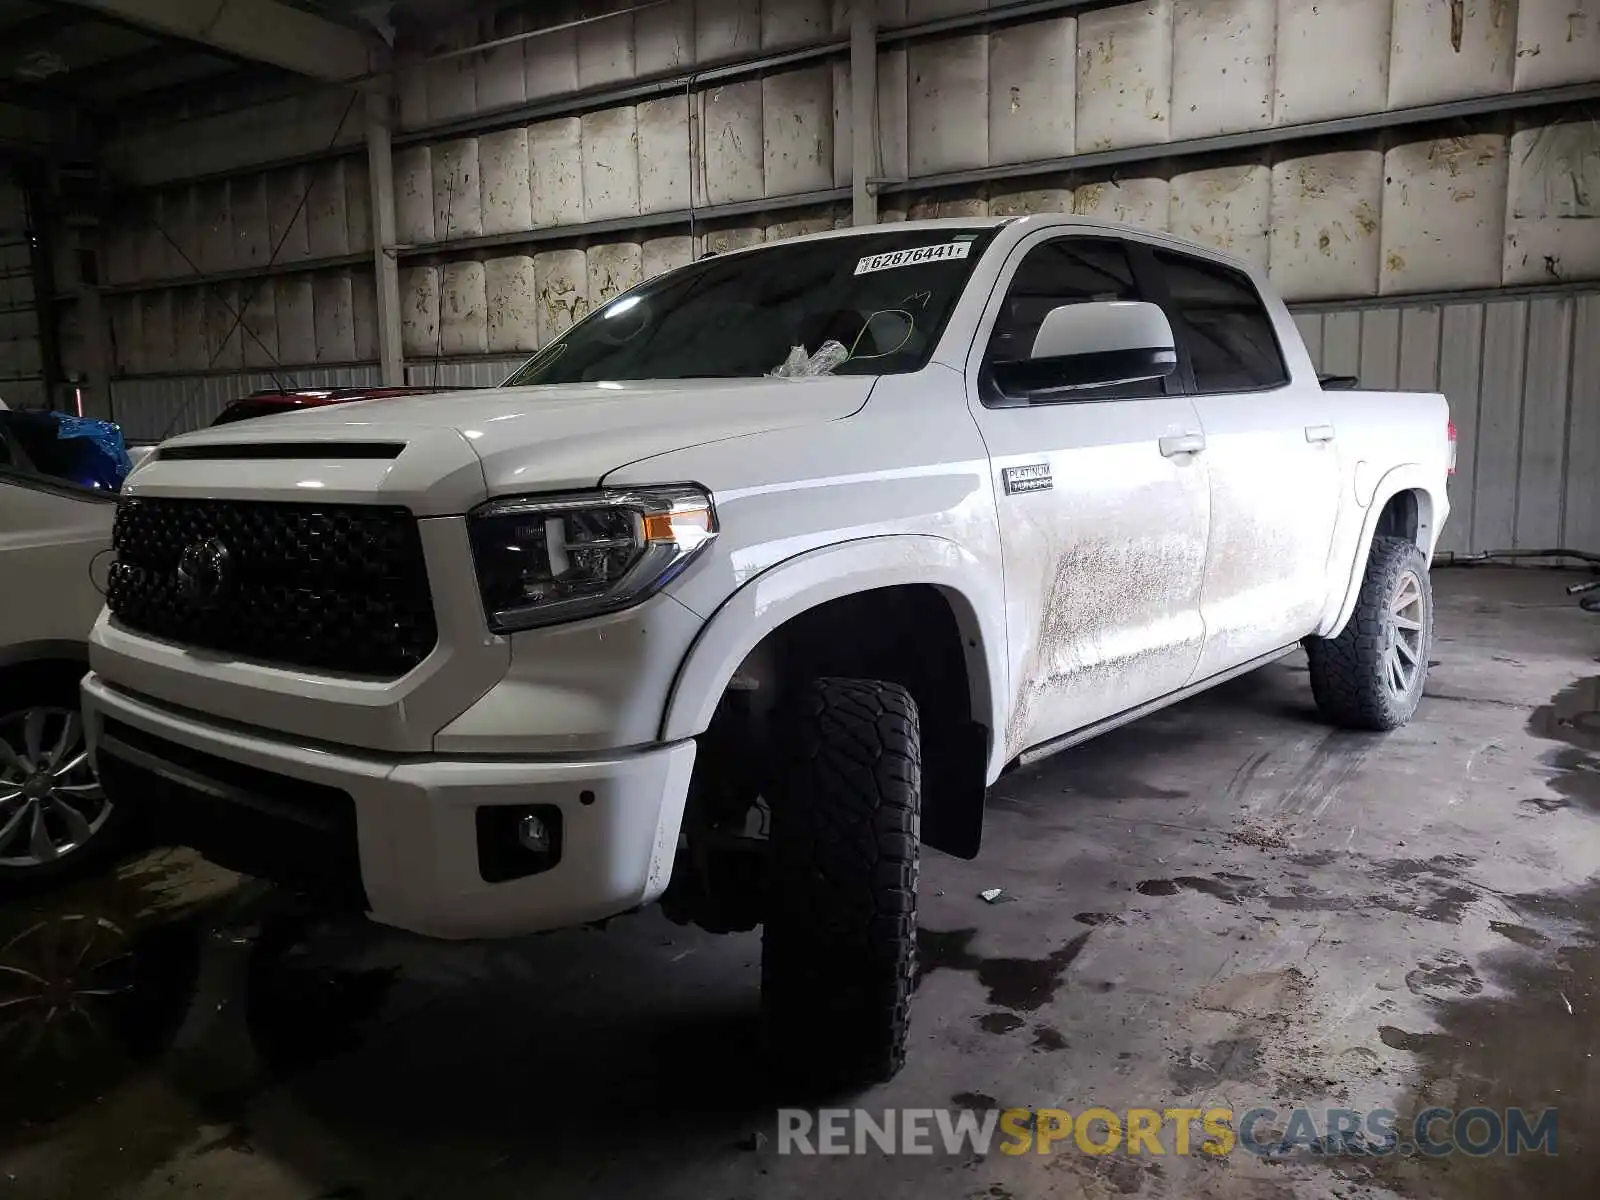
(863, 113)
(386, 275)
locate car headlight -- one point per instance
(546, 559)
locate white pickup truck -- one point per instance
(750, 585)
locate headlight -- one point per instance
(546, 559)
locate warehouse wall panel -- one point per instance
(1581, 502)
(364, 315)
(797, 131)
(1222, 78)
(1144, 201)
(295, 318)
(1522, 375)
(457, 190)
(501, 73)
(507, 194)
(1323, 227)
(605, 52)
(1032, 94)
(1558, 42)
(1553, 213)
(413, 195)
(452, 86)
(664, 37)
(726, 29)
(512, 293)
(1125, 75)
(894, 98)
(463, 309)
(947, 105)
(731, 127)
(419, 312)
(664, 159)
(334, 303)
(1450, 49)
(1225, 207)
(244, 208)
(550, 64)
(286, 213)
(189, 316)
(662, 254)
(613, 268)
(562, 277)
(259, 326)
(610, 177)
(1025, 202)
(327, 212)
(1546, 396)
(1355, 34)
(793, 22)
(214, 211)
(224, 327)
(555, 157)
(1443, 221)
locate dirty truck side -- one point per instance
(747, 588)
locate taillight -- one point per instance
(1450, 462)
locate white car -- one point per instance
(54, 819)
(750, 584)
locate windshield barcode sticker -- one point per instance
(912, 258)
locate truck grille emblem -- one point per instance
(204, 572)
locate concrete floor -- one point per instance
(1225, 904)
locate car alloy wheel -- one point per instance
(51, 804)
(1403, 661)
(59, 983)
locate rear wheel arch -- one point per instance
(1403, 506)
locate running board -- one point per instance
(1078, 736)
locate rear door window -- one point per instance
(1221, 325)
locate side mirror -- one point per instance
(1098, 344)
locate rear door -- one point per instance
(1272, 459)
(1102, 508)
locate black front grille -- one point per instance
(339, 587)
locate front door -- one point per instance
(1103, 505)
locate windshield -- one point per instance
(870, 304)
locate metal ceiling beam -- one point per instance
(260, 30)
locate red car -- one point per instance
(271, 401)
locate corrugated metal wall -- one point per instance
(153, 408)
(1522, 375)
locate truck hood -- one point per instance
(529, 439)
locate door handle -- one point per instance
(1319, 433)
(1182, 443)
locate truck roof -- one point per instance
(1022, 223)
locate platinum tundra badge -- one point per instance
(1034, 477)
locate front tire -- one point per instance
(839, 944)
(1371, 676)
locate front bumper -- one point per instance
(400, 836)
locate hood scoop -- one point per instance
(280, 451)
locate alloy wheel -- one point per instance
(51, 804)
(59, 981)
(1403, 661)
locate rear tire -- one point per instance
(839, 944)
(1371, 676)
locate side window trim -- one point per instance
(1148, 285)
